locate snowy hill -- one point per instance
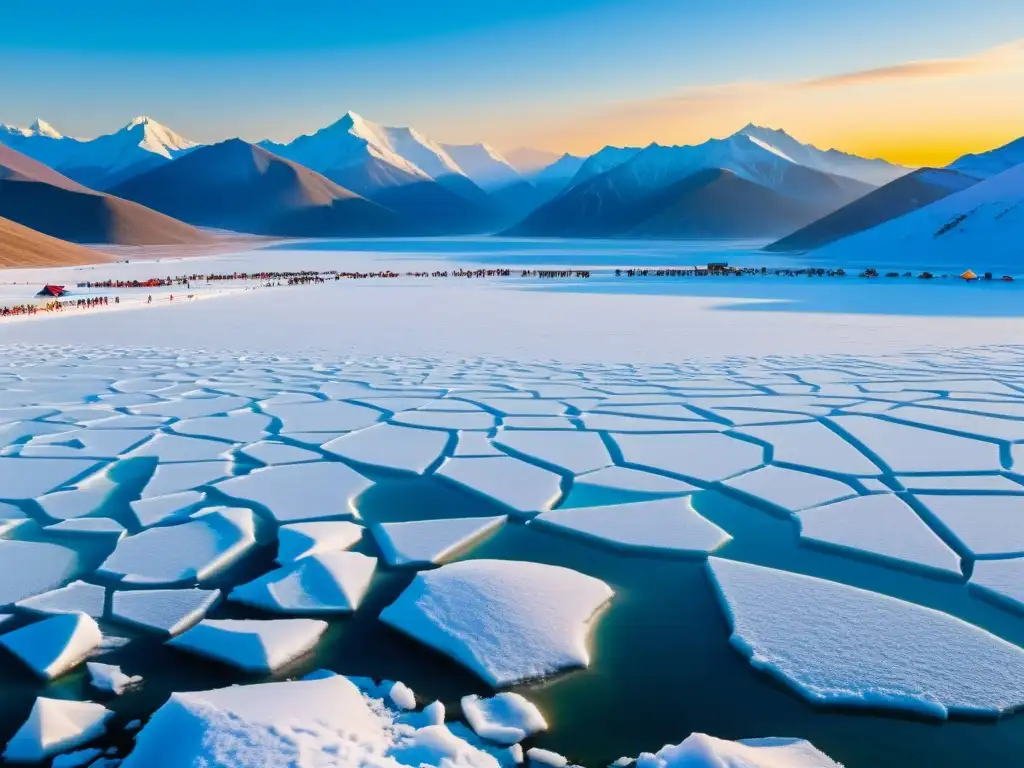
(870, 171)
(907, 193)
(986, 164)
(104, 161)
(981, 227)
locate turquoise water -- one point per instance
(662, 666)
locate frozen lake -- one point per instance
(866, 435)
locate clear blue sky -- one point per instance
(496, 70)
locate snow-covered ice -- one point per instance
(252, 645)
(76, 597)
(505, 718)
(708, 457)
(30, 568)
(327, 582)
(668, 526)
(164, 611)
(538, 616)
(190, 551)
(169, 449)
(813, 445)
(55, 645)
(392, 446)
(426, 542)
(156, 510)
(789, 489)
(323, 416)
(628, 480)
(296, 492)
(883, 526)
(169, 479)
(238, 427)
(523, 487)
(573, 451)
(985, 525)
(299, 540)
(701, 751)
(24, 478)
(546, 758)
(88, 526)
(272, 453)
(109, 678)
(839, 645)
(56, 725)
(1000, 579)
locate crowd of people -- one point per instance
(57, 306)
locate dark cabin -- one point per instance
(52, 291)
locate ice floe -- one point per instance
(88, 526)
(881, 526)
(305, 723)
(296, 492)
(190, 551)
(109, 678)
(239, 427)
(701, 751)
(11, 517)
(505, 718)
(55, 645)
(169, 479)
(840, 645)
(249, 644)
(191, 407)
(323, 416)
(709, 457)
(537, 616)
(631, 481)
(273, 453)
(156, 510)
(164, 611)
(788, 489)
(29, 568)
(985, 525)
(168, 449)
(523, 487)
(299, 540)
(24, 478)
(84, 444)
(392, 446)
(813, 445)
(56, 725)
(327, 582)
(573, 451)
(426, 542)
(1000, 579)
(76, 597)
(547, 758)
(448, 420)
(667, 526)
(960, 483)
(906, 449)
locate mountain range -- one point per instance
(145, 183)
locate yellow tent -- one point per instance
(969, 275)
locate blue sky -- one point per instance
(562, 74)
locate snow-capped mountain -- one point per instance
(981, 227)
(634, 189)
(986, 164)
(484, 165)
(528, 160)
(870, 171)
(104, 161)
(396, 167)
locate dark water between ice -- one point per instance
(662, 666)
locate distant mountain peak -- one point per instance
(42, 128)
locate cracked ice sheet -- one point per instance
(192, 407)
(392, 446)
(959, 421)
(295, 492)
(666, 526)
(430, 542)
(29, 478)
(839, 645)
(168, 448)
(709, 457)
(169, 479)
(29, 568)
(525, 488)
(323, 416)
(239, 427)
(985, 525)
(575, 452)
(449, 420)
(789, 489)
(879, 526)
(273, 453)
(907, 449)
(815, 446)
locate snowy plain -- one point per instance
(442, 454)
